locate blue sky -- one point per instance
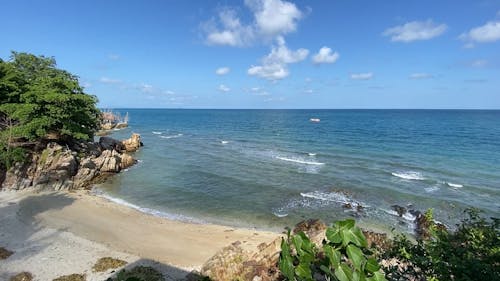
(268, 53)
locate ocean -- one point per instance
(269, 169)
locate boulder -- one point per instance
(313, 228)
(107, 143)
(86, 173)
(133, 143)
(126, 161)
(55, 168)
(108, 162)
(235, 263)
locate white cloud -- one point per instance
(308, 91)
(362, 76)
(169, 92)
(415, 30)
(308, 80)
(223, 88)
(271, 18)
(232, 33)
(107, 80)
(325, 55)
(274, 17)
(222, 70)
(420, 76)
(490, 32)
(274, 65)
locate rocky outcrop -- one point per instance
(59, 167)
(235, 263)
(133, 143)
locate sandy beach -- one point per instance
(54, 234)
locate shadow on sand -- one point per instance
(21, 232)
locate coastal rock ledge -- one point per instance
(59, 167)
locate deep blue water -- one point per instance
(273, 168)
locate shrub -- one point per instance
(138, 273)
(344, 256)
(471, 252)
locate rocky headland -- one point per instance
(54, 166)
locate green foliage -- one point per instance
(343, 256)
(10, 156)
(138, 273)
(471, 252)
(42, 99)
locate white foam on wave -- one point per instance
(280, 213)
(224, 142)
(455, 185)
(148, 211)
(299, 161)
(311, 154)
(409, 175)
(172, 136)
(156, 133)
(409, 217)
(336, 197)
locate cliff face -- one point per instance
(61, 168)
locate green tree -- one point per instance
(40, 101)
(45, 101)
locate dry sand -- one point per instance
(54, 234)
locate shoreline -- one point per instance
(92, 222)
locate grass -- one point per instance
(71, 277)
(4, 253)
(106, 263)
(23, 276)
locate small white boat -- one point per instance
(315, 120)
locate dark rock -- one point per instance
(399, 209)
(4, 253)
(23, 276)
(108, 143)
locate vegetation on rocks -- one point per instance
(39, 101)
(71, 277)
(138, 273)
(23, 276)
(471, 252)
(343, 256)
(107, 263)
(4, 253)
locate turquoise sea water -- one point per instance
(272, 168)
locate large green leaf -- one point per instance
(303, 271)
(377, 276)
(286, 263)
(372, 265)
(343, 273)
(326, 270)
(332, 254)
(358, 276)
(356, 256)
(333, 235)
(307, 245)
(353, 235)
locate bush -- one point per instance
(138, 273)
(39, 100)
(471, 252)
(344, 256)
